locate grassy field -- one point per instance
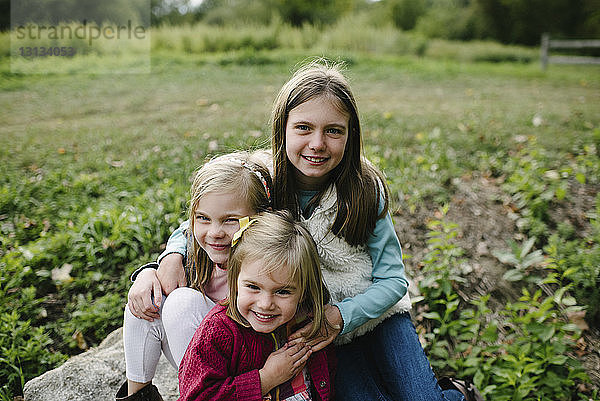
(95, 172)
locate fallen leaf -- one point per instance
(81, 343)
(552, 175)
(581, 347)
(62, 274)
(578, 319)
(520, 138)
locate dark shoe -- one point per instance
(466, 388)
(148, 393)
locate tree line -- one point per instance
(507, 21)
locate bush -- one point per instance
(25, 352)
(25, 348)
(448, 22)
(406, 13)
(540, 185)
(521, 352)
(578, 265)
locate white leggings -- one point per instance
(181, 313)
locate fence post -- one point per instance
(544, 50)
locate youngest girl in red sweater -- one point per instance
(240, 350)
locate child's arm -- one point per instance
(389, 280)
(170, 270)
(389, 286)
(170, 273)
(145, 296)
(328, 332)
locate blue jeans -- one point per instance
(388, 364)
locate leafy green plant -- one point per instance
(577, 265)
(534, 187)
(534, 359)
(91, 320)
(25, 352)
(521, 259)
(521, 352)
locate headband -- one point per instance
(251, 167)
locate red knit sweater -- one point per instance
(223, 359)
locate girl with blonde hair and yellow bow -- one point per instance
(224, 190)
(241, 349)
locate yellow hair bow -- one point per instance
(245, 222)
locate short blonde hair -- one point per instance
(276, 239)
(240, 173)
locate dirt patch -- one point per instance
(486, 223)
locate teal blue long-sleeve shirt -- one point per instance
(389, 279)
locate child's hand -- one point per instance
(328, 333)
(284, 364)
(145, 288)
(171, 273)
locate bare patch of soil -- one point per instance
(486, 223)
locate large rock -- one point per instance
(96, 376)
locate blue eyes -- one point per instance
(329, 131)
(231, 220)
(282, 292)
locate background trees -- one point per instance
(507, 21)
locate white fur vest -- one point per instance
(346, 269)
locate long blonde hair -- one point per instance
(240, 173)
(277, 240)
(359, 185)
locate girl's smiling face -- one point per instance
(266, 300)
(315, 140)
(216, 219)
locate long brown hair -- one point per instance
(238, 173)
(277, 240)
(359, 185)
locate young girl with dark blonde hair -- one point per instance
(240, 350)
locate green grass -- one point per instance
(95, 167)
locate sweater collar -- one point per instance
(328, 201)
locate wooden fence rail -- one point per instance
(548, 44)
